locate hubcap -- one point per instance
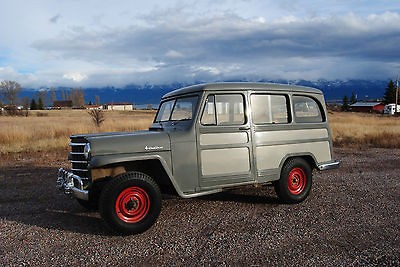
(132, 204)
(296, 181)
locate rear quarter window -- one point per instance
(307, 110)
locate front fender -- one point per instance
(103, 161)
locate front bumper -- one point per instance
(71, 184)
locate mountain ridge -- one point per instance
(334, 90)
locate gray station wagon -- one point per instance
(204, 139)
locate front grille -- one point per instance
(77, 157)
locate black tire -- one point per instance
(130, 203)
(295, 181)
(91, 204)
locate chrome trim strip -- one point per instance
(76, 153)
(79, 161)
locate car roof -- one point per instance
(240, 86)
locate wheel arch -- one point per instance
(156, 170)
(154, 166)
(308, 157)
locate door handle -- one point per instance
(244, 128)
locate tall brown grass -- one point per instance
(50, 130)
(365, 130)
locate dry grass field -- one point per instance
(365, 130)
(50, 130)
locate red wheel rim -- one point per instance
(296, 181)
(132, 204)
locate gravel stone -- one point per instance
(351, 218)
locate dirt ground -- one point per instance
(351, 218)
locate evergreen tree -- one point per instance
(33, 105)
(353, 98)
(390, 93)
(40, 104)
(345, 106)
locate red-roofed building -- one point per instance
(370, 107)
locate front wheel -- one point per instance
(130, 203)
(295, 181)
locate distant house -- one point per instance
(370, 107)
(61, 104)
(118, 106)
(93, 107)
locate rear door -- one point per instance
(283, 129)
(224, 137)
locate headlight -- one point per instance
(86, 151)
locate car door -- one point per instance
(224, 138)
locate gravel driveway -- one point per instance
(351, 218)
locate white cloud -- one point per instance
(173, 54)
(75, 76)
(211, 70)
(107, 43)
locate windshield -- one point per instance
(177, 109)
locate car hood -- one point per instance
(128, 142)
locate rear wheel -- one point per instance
(130, 203)
(295, 181)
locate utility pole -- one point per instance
(397, 95)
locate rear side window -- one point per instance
(269, 109)
(227, 109)
(307, 110)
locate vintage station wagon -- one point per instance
(204, 139)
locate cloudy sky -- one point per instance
(115, 42)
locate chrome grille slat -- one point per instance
(79, 170)
(77, 157)
(77, 144)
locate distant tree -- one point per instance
(53, 95)
(97, 100)
(33, 105)
(390, 93)
(42, 94)
(90, 103)
(40, 104)
(63, 95)
(78, 97)
(345, 106)
(10, 90)
(353, 98)
(97, 116)
(25, 102)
